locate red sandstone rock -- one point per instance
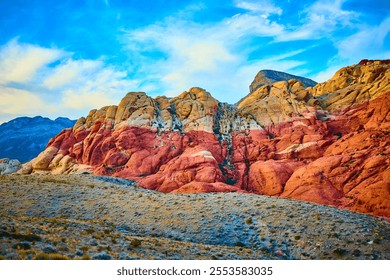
(278, 141)
(194, 165)
(199, 187)
(269, 177)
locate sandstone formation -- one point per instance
(354, 84)
(327, 144)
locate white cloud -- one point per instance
(327, 73)
(43, 81)
(242, 25)
(14, 101)
(70, 71)
(263, 7)
(329, 12)
(21, 62)
(104, 86)
(319, 20)
(282, 61)
(367, 43)
(212, 56)
(216, 56)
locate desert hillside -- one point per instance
(91, 217)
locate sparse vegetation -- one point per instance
(20, 236)
(339, 252)
(248, 221)
(52, 256)
(84, 248)
(135, 243)
(202, 227)
(86, 257)
(22, 246)
(89, 230)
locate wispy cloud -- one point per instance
(264, 7)
(281, 62)
(209, 55)
(36, 80)
(17, 102)
(21, 62)
(71, 72)
(318, 20)
(218, 55)
(367, 42)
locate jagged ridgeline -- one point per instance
(327, 143)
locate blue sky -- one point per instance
(64, 58)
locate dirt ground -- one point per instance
(90, 217)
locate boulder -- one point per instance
(9, 166)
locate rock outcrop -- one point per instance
(9, 166)
(354, 84)
(326, 144)
(268, 77)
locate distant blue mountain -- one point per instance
(24, 138)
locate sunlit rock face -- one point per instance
(326, 144)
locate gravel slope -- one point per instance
(85, 216)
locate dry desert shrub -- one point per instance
(52, 256)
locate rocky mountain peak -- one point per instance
(268, 77)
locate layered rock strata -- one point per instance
(327, 144)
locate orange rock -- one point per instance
(269, 177)
(280, 140)
(198, 187)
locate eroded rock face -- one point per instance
(354, 84)
(353, 172)
(316, 144)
